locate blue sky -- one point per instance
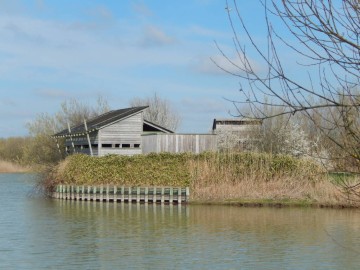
(56, 50)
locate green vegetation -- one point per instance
(162, 169)
(178, 169)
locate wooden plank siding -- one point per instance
(125, 132)
(178, 143)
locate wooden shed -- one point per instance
(236, 133)
(115, 132)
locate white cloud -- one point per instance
(219, 65)
(35, 43)
(206, 32)
(8, 102)
(154, 36)
(142, 9)
(101, 12)
(11, 7)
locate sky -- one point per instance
(51, 51)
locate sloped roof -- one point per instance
(100, 121)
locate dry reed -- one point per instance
(10, 167)
(303, 183)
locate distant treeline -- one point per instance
(14, 149)
(39, 148)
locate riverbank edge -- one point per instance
(259, 203)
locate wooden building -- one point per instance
(237, 133)
(115, 132)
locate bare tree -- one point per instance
(159, 112)
(325, 35)
(42, 149)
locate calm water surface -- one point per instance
(38, 233)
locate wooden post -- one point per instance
(162, 195)
(129, 196)
(72, 142)
(88, 193)
(101, 193)
(77, 193)
(187, 194)
(146, 197)
(138, 195)
(115, 194)
(67, 192)
(107, 193)
(154, 195)
(122, 194)
(60, 193)
(88, 137)
(72, 191)
(82, 192)
(179, 195)
(171, 195)
(63, 192)
(99, 154)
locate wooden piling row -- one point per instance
(111, 193)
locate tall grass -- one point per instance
(211, 176)
(11, 167)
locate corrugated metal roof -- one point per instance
(100, 121)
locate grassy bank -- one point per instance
(241, 178)
(11, 167)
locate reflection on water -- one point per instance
(37, 233)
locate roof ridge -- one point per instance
(125, 110)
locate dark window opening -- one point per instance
(86, 146)
(125, 145)
(94, 145)
(106, 145)
(117, 145)
(136, 145)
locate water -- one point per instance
(38, 233)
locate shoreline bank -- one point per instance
(276, 204)
(243, 179)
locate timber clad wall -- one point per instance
(125, 132)
(178, 143)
